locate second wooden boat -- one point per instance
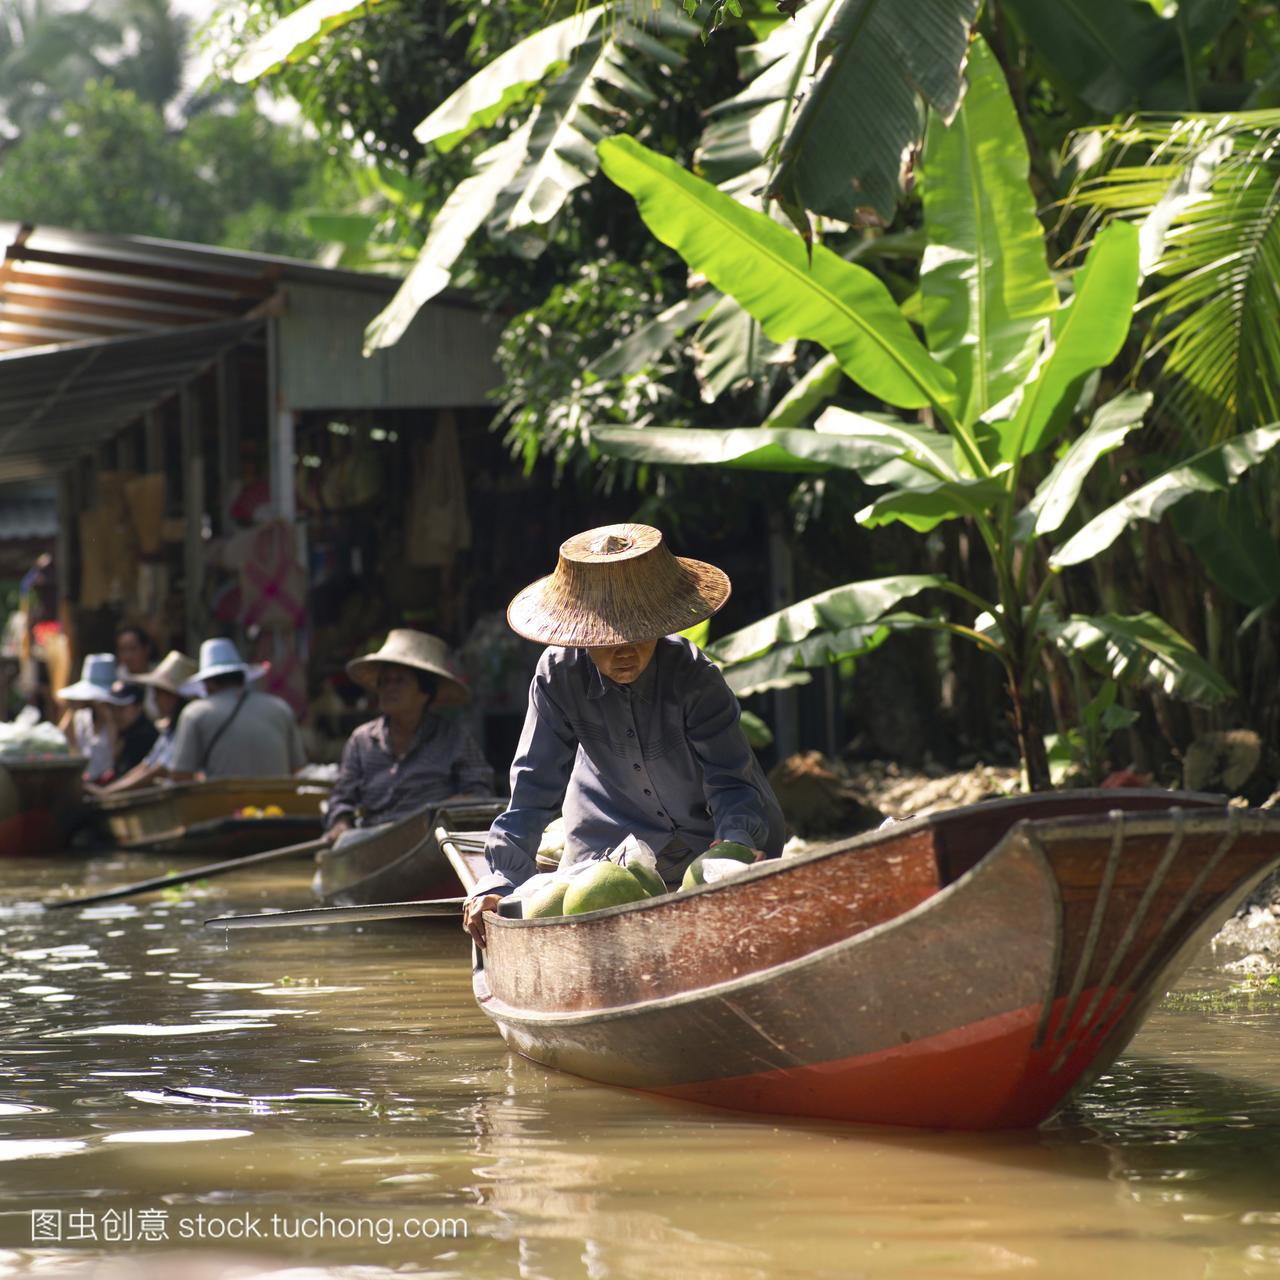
(967, 970)
(223, 816)
(399, 861)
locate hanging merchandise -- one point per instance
(438, 526)
(144, 496)
(273, 585)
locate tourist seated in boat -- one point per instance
(135, 734)
(408, 757)
(87, 722)
(171, 685)
(234, 730)
(630, 729)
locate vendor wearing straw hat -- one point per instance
(630, 728)
(172, 686)
(408, 757)
(234, 731)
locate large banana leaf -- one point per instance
(923, 507)
(927, 449)
(575, 111)
(815, 388)
(1235, 546)
(1117, 55)
(786, 665)
(739, 146)
(984, 279)
(1087, 334)
(768, 269)
(461, 214)
(1212, 470)
(745, 448)
(294, 35)
(861, 116)
(1056, 496)
(855, 604)
(649, 343)
(731, 352)
(1141, 648)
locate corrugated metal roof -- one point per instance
(55, 402)
(96, 329)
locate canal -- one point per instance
(330, 1103)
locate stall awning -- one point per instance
(57, 402)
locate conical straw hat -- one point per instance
(173, 673)
(618, 584)
(407, 648)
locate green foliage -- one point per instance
(234, 179)
(935, 475)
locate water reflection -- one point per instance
(344, 1079)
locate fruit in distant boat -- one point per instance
(273, 811)
(605, 885)
(725, 849)
(249, 811)
(548, 901)
(649, 879)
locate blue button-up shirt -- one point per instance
(663, 758)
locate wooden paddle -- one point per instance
(185, 877)
(341, 915)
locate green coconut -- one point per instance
(605, 885)
(548, 901)
(649, 879)
(727, 849)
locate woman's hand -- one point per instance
(759, 853)
(473, 915)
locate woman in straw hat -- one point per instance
(407, 758)
(171, 684)
(630, 728)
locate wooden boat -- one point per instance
(208, 818)
(44, 803)
(400, 861)
(967, 970)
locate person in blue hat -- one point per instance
(234, 730)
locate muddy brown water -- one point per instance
(330, 1103)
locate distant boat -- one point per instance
(398, 861)
(967, 970)
(227, 816)
(46, 798)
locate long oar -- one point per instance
(185, 877)
(341, 915)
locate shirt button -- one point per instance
(631, 733)
(647, 791)
(661, 814)
(636, 767)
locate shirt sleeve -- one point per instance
(539, 778)
(186, 743)
(297, 752)
(472, 773)
(344, 799)
(712, 722)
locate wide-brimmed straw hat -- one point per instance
(174, 673)
(618, 584)
(406, 648)
(220, 657)
(97, 675)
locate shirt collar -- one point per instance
(382, 733)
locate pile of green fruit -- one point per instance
(609, 884)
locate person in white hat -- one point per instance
(171, 684)
(234, 730)
(631, 729)
(408, 757)
(87, 722)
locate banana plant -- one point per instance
(993, 387)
